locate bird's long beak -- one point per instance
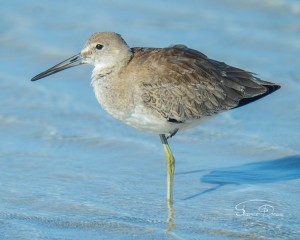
(70, 62)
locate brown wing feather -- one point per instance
(185, 84)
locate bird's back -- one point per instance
(179, 83)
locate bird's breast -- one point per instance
(109, 97)
(126, 107)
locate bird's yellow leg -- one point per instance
(170, 160)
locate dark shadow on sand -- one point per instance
(283, 169)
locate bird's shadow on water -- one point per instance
(283, 169)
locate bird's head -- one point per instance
(104, 50)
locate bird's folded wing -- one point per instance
(185, 84)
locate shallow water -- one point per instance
(70, 171)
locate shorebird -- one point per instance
(162, 90)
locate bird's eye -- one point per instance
(99, 46)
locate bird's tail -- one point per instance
(269, 88)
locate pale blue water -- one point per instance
(70, 171)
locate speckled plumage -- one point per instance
(161, 90)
